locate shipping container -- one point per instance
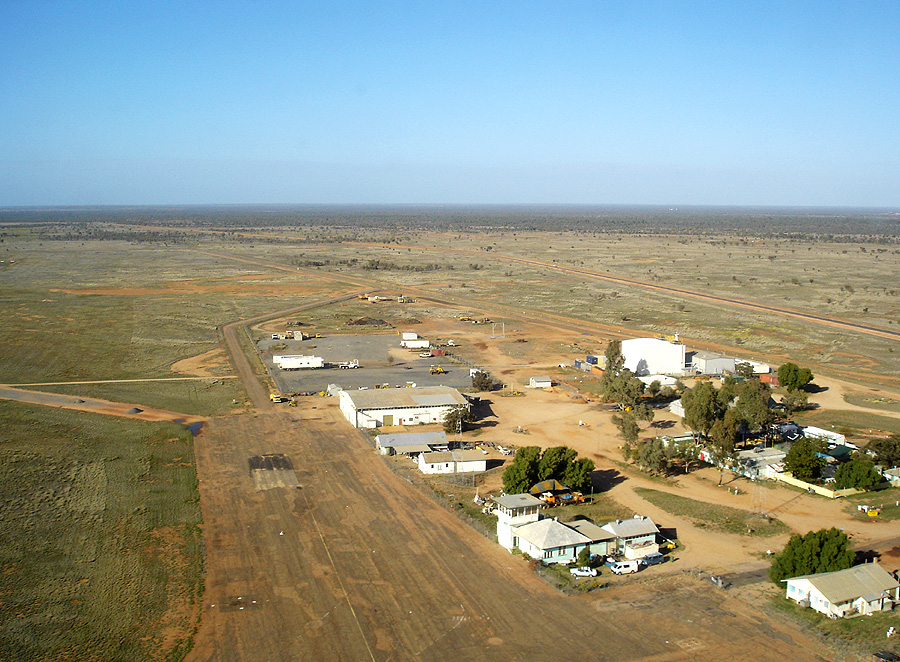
(593, 360)
(595, 369)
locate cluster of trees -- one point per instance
(482, 381)
(887, 450)
(826, 550)
(531, 466)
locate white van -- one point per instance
(623, 567)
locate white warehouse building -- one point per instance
(647, 356)
(399, 406)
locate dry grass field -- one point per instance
(149, 304)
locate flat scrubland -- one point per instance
(100, 545)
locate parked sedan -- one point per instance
(583, 571)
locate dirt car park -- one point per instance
(358, 564)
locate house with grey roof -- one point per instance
(862, 589)
(635, 537)
(602, 542)
(550, 541)
(410, 443)
(452, 462)
(399, 406)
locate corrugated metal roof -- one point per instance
(411, 439)
(845, 585)
(628, 528)
(588, 528)
(549, 534)
(551, 485)
(518, 501)
(397, 398)
(454, 456)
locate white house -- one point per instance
(862, 589)
(707, 363)
(550, 541)
(514, 510)
(540, 382)
(452, 462)
(411, 340)
(829, 437)
(399, 406)
(644, 356)
(635, 538)
(410, 443)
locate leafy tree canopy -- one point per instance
(793, 377)
(802, 459)
(457, 415)
(859, 474)
(825, 550)
(530, 467)
(702, 407)
(887, 451)
(753, 403)
(481, 381)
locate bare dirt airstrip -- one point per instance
(356, 564)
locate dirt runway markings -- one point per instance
(358, 564)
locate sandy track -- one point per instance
(368, 568)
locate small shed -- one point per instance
(452, 462)
(540, 382)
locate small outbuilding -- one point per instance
(708, 363)
(410, 443)
(540, 382)
(452, 462)
(862, 589)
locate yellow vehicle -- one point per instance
(274, 397)
(436, 370)
(465, 318)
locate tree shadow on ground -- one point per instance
(604, 480)
(662, 424)
(815, 388)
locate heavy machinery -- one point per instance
(275, 397)
(436, 370)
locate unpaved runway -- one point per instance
(357, 564)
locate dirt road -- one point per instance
(357, 564)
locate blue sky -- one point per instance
(782, 103)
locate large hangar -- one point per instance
(654, 356)
(399, 406)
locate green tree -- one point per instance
(481, 381)
(825, 550)
(794, 401)
(554, 462)
(803, 459)
(522, 473)
(887, 450)
(753, 403)
(723, 440)
(743, 369)
(654, 456)
(793, 377)
(701, 408)
(627, 425)
(584, 557)
(653, 389)
(859, 474)
(458, 416)
(577, 475)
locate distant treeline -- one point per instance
(826, 224)
(376, 265)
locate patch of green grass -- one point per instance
(863, 400)
(100, 543)
(715, 517)
(599, 508)
(207, 397)
(637, 471)
(887, 500)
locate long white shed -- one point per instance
(297, 361)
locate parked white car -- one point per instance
(583, 571)
(623, 567)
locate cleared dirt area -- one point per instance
(357, 564)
